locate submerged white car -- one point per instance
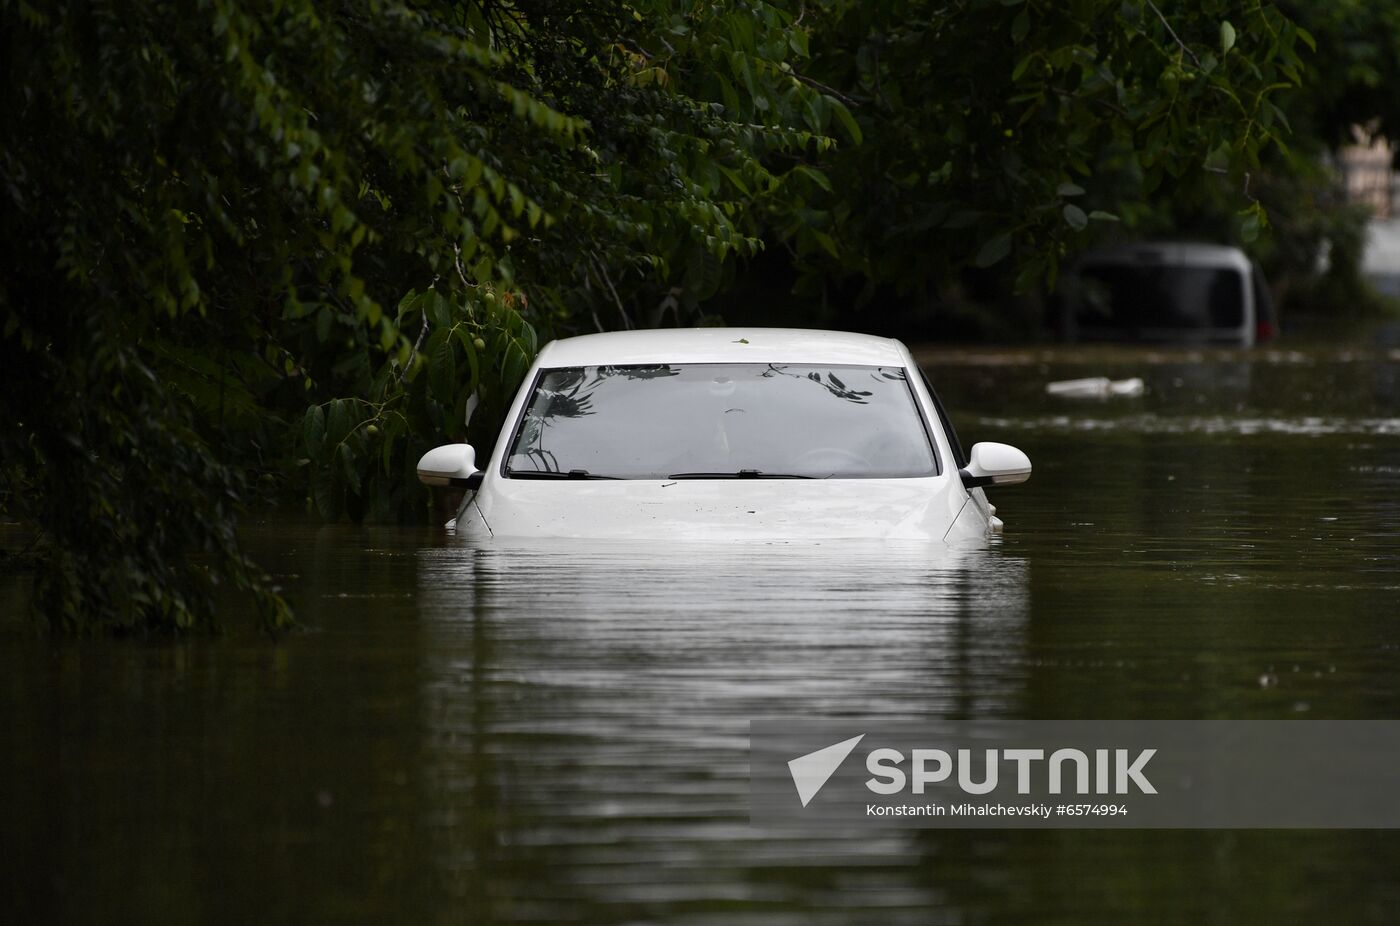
(726, 433)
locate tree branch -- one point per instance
(603, 272)
(825, 89)
(422, 333)
(1172, 33)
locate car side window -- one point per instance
(959, 457)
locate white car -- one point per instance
(726, 434)
(1166, 292)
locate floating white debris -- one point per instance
(1096, 387)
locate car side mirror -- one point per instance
(993, 464)
(450, 465)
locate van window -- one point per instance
(1160, 296)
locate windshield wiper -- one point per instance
(741, 474)
(554, 474)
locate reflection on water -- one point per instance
(558, 733)
(745, 628)
(610, 721)
(1306, 426)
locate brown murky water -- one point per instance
(559, 733)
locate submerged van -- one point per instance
(1166, 293)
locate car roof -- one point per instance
(1177, 252)
(724, 345)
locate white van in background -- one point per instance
(1166, 293)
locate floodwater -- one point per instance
(559, 733)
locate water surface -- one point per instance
(559, 733)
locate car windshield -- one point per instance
(1161, 296)
(722, 420)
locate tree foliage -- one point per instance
(1313, 243)
(214, 212)
(1350, 80)
(1012, 131)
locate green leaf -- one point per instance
(962, 219)
(797, 41)
(1075, 217)
(1249, 228)
(1227, 37)
(733, 177)
(513, 370)
(1069, 189)
(338, 421)
(994, 251)
(386, 446)
(439, 309)
(313, 431)
(827, 243)
(1219, 158)
(346, 458)
(473, 361)
(848, 122)
(472, 176)
(1030, 275)
(408, 303)
(1020, 26)
(815, 175)
(442, 369)
(326, 493)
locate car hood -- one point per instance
(717, 509)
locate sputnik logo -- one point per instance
(812, 771)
